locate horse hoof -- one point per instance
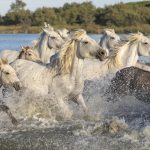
(15, 122)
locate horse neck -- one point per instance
(104, 44)
(77, 67)
(47, 54)
(132, 56)
(1, 83)
(128, 56)
(43, 46)
(21, 55)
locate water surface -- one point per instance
(15, 41)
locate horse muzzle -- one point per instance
(101, 55)
(17, 86)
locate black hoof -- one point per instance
(14, 121)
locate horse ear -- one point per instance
(113, 30)
(140, 33)
(50, 27)
(4, 61)
(45, 30)
(23, 48)
(58, 31)
(27, 47)
(106, 31)
(45, 25)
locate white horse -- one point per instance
(26, 52)
(94, 69)
(8, 75)
(64, 33)
(126, 54)
(48, 44)
(29, 54)
(9, 78)
(63, 77)
(109, 40)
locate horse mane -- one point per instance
(67, 54)
(135, 37)
(113, 60)
(20, 54)
(37, 42)
(117, 48)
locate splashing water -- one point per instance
(109, 125)
(120, 125)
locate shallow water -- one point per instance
(40, 131)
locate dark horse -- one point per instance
(130, 81)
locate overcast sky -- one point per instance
(33, 4)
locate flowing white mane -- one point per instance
(67, 53)
(136, 37)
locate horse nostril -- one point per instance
(102, 53)
(17, 86)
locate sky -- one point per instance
(33, 4)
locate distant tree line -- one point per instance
(79, 14)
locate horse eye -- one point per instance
(63, 38)
(145, 43)
(112, 38)
(7, 73)
(85, 42)
(53, 37)
(29, 54)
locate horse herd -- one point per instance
(55, 64)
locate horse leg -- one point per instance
(4, 92)
(65, 112)
(80, 101)
(8, 112)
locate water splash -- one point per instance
(120, 123)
